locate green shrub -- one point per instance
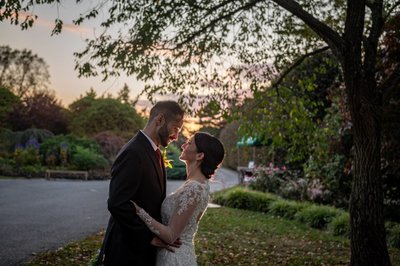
(285, 208)
(7, 166)
(32, 170)
(87, 159)
(317, 216)
(242, 198)
(393, 234)
(178, 170)
(59, 150)
(28, 156)
(176, 173)
(40, 135)
(340, 225)
(7, 141)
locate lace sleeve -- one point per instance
(189, 197)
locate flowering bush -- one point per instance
(330, 182)
(110, 144)
(279, 180)
(317, 192)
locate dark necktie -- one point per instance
(158, 153)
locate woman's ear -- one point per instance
(199, 156)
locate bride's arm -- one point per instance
(186, 205)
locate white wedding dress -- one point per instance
(180, 212)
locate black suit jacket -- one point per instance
(135, 175)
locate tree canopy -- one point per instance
(7, 102)
(22, 72)
(96, 115)
(40, 110)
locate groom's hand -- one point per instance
(161, 244)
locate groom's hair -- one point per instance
(170, 109)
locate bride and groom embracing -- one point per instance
(147, 227)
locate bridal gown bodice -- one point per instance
(190, 194)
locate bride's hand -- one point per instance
(161, 244)
(137, 208)
(177, 243)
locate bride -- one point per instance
(182, 210)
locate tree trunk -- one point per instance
(368, 241)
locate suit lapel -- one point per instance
(152, 155)
(164, 178)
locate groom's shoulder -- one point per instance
(138, 143)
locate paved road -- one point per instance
(38, 215)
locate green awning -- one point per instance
(249, 142)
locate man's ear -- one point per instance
(199, 156)
(160, 119)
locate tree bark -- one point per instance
(367, 234)
(368, 242)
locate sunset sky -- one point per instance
(57, 51)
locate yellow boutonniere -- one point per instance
(167, 163)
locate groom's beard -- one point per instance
(163, 134)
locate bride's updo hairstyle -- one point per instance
(213, 152)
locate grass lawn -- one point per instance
(237, 237)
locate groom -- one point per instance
(138, 175)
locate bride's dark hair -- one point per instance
(213, 152)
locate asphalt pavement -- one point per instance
(37, 215)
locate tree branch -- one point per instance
(215, 8)
(391, 83)
(371, 43)
(331, 37)
(353, 35)
(297, 63)
(215, 21)
(391, 10)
